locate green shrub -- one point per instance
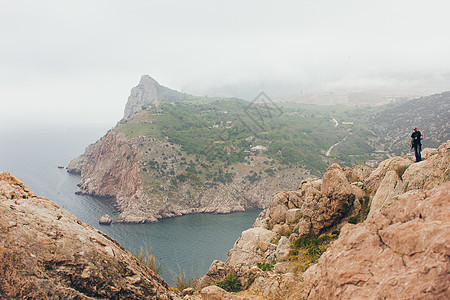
(230, 284)
(308, 249)
(265, 266)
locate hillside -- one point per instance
(356, 233)
(394, 123)
(175, 154)
(208, 154)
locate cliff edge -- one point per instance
(356, 233)
(47, 253)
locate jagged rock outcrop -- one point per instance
(429, 173)
(249, 249)
(316, 206)
(47, 253)
(146, 92)
(149, 92)
(400, 250)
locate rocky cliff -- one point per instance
(356, 233)
(145, 93)
(46, 253)
(125, 168)
(175, 154)
(150, 93)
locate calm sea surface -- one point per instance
(189, 243)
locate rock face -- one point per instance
(46, 253)
(109, 168)
(399, 251)
(249, 248)
(150, 93)
(146, 92)
(402, 251)
(118, 166)
(105, 220)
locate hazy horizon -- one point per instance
(75, 62)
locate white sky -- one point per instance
(75, 61)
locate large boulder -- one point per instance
(397, 164)
(315, 206)
(429, 173)
(401, 251)
(216, 272)
(215, 293)
(390, 186)
(358, 173)
(47, 253)
(247, 248)
(105, 220)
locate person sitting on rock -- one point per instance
(416, 143)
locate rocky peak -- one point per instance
(144, 93)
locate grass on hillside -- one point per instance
(145, 256)
(221, 130)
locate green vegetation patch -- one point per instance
(231, 283)
(266, 266)
(224, 132)
(307, 249)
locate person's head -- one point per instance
(415, 129)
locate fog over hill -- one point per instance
(394, 123)
(346, 89)
(60, 68)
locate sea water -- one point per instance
(188, 243)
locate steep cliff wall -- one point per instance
(150, 93)
(129, 169)
(46, 253)
(356, 233)
(145, 93)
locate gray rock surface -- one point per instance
(146, 92)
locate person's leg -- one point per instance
(419, 149)
(417, 152)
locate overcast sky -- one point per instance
(76, 61)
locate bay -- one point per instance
(188, 243)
